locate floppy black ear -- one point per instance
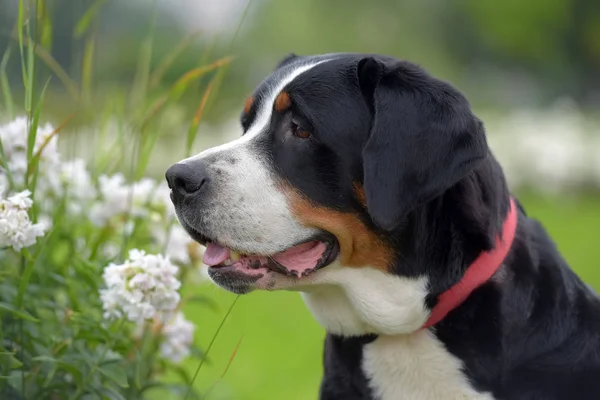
(423, 140)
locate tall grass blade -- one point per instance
(32, 166)
(191, 135)
(87, 67)
(6, 91)
(142, 75)
(32, 134)
(186, 79)
(30, 87)
(19, 28)
(55, 67)
(4, 163)
(231, 358)
(212, 341)
(145, 151)
(239, 25)
(88, 17)
(219, 78)
(169, 59)
(45, 19)
(179, 87)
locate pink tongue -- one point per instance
(215, 254)
(303, 257)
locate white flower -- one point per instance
(143, 286)
(16, 229)
(143, 199)
(14, 142)
(178, 337)
(115, 199)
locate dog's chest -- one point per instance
(415, 367)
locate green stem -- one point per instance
(27, 270)
(209, 347)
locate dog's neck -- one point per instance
(436, 246)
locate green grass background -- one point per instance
(280, 354)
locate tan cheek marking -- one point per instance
(359, 246)
(248, 104)
(282, 102)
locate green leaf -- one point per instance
(151, 385)
(45, 359)
(116, 373)
(22, 314)
(112, 394)
(50, 375)
(89, 274)
(14, 362)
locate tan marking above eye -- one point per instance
(359, 245)
(248, 104)
(283, 102)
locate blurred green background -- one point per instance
(531, 70)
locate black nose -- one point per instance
(186, 178)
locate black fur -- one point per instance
(438, 196)
(423, 139)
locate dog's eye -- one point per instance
(298, 131)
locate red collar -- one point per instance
(478, 273)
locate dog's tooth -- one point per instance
(235, 256)
(227, 262)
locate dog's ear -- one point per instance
(423, 139)
(286, 60)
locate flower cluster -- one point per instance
(178, 336)
(146, 285)
(14, 143)
(140, 288)
(145, 288)
(16, 229)
(107, 201)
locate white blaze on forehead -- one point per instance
(263, 115)
(245, 209)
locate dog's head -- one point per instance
(337, 152)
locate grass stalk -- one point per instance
(212, 341)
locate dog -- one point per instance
(367, 185)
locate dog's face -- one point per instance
(336, 152)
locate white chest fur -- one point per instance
(416, 367)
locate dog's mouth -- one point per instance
(296, 261)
